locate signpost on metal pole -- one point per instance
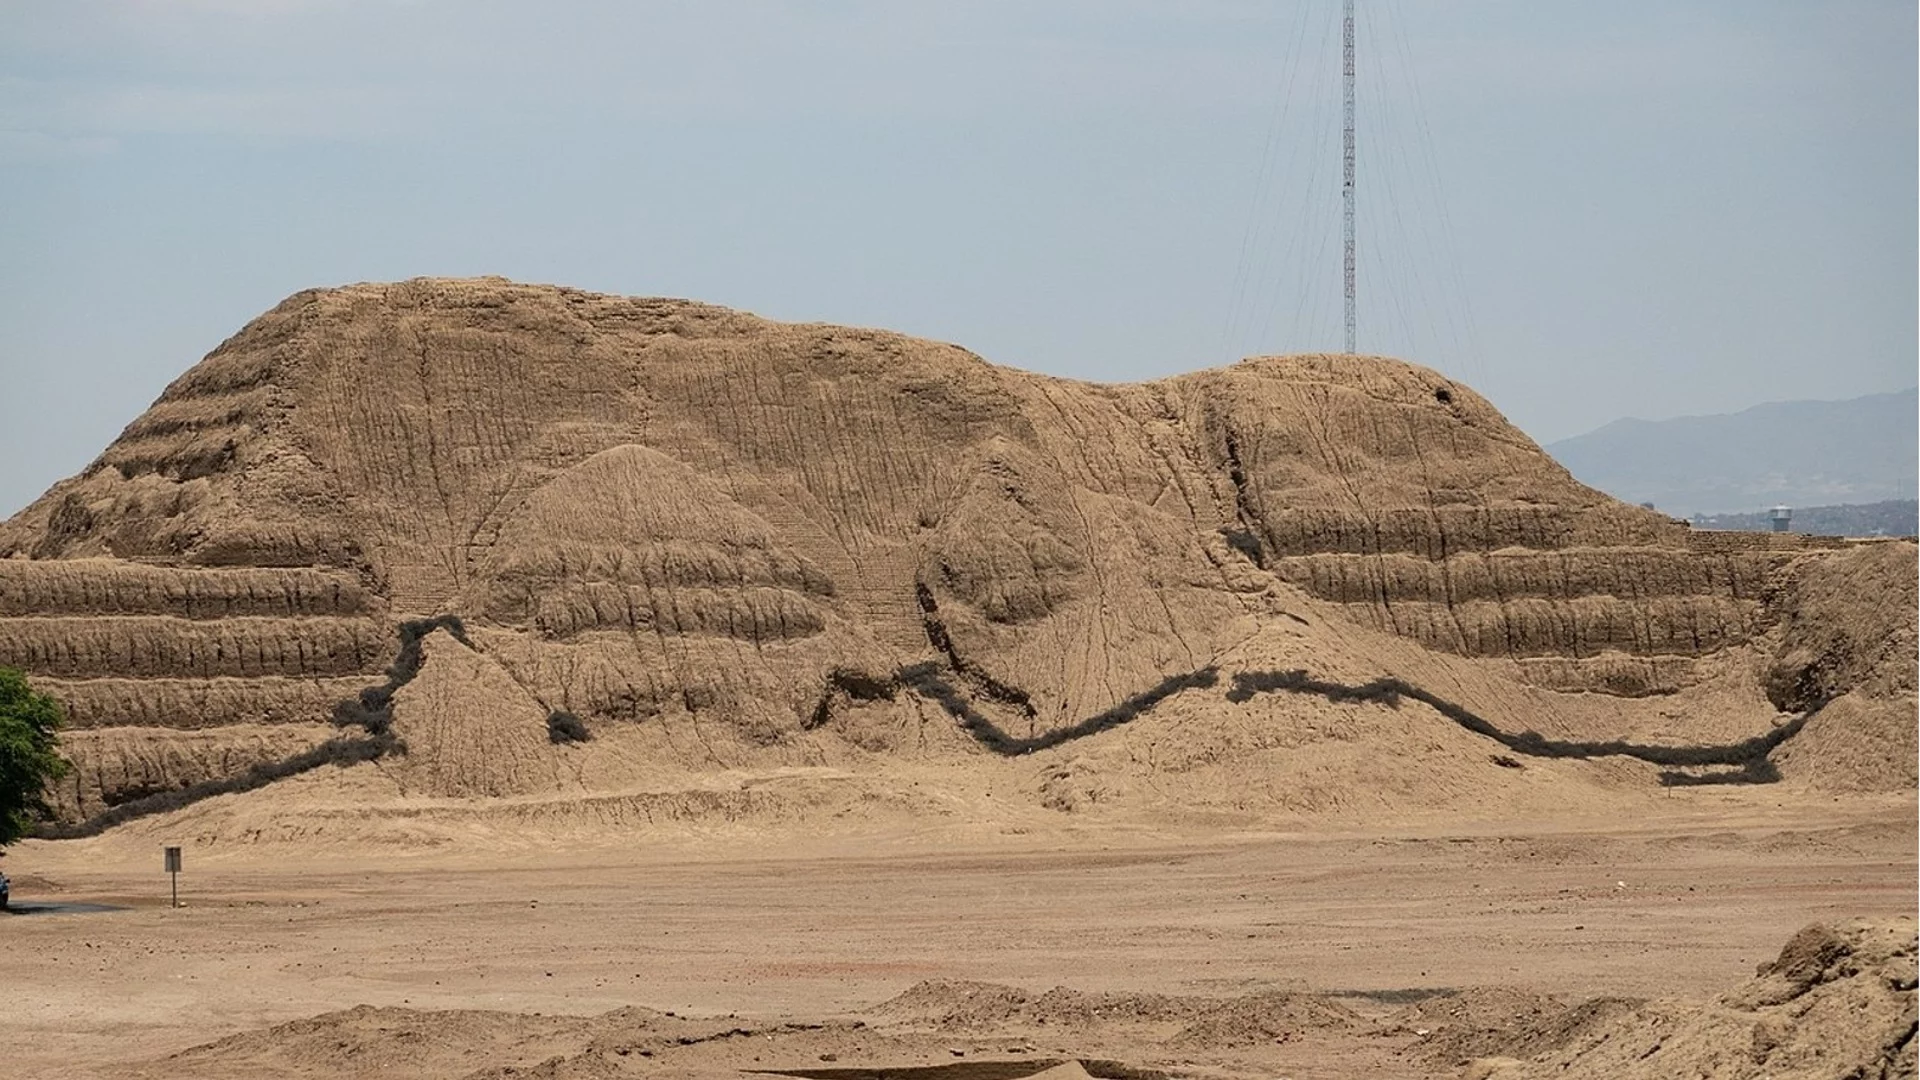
(173, 868)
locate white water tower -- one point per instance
(1782, 517)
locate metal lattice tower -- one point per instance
(1346, 165)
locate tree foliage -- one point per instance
(29, 754)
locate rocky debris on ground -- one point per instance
(1838, 1002)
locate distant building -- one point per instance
(1782, 518)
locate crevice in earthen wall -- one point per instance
(371, 711)
(339, 751)
(984, 683)
(1745, 762)
(925, 679)
(1748, 756)
(853, 685)
(1252, 532)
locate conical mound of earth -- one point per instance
(657, 535)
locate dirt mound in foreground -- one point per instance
(935, 1031)
(416, 1044)
(370, 1041)
(768, 545)
(1839, 1001)
(1262, 1017)
(1492, 1021)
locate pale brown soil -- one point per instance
(754, 931)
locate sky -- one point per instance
(1585, 211)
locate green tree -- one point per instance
(29, 754)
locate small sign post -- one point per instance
(173, 868)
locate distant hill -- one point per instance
(1897, 517)
(1801, 453)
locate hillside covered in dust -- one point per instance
(475, 538)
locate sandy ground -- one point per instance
(790, 927)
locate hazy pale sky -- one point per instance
(1585, 210)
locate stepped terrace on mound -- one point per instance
(759, 541)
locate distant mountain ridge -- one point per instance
(1800, 453)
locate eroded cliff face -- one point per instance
(660, 511)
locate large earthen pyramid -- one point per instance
(717, 541)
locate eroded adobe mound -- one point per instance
(728, 540)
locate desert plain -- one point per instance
(1338, 945)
